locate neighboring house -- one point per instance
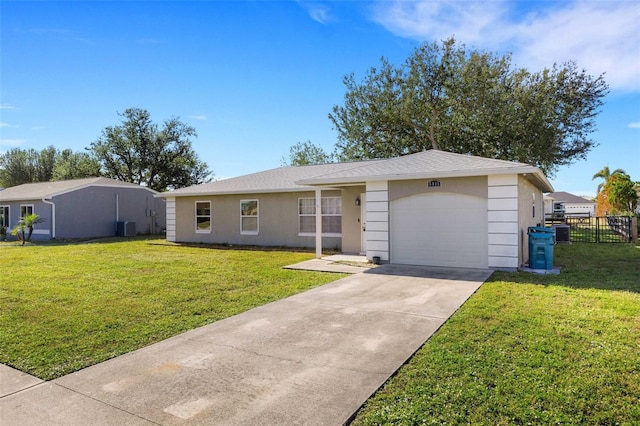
(83, 208)
(430, 208)
(569, 204)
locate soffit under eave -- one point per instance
(540, 181)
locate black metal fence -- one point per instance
(606, 229)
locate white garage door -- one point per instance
(439, 230)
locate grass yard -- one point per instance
(64, 307)
(531, 349)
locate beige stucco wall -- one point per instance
(526, 218)
(475, 186)
(278, 220)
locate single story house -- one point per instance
(83, 208)
(430, 208)
(569, 204)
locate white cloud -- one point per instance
(199, 117)
(635, 125)
(601, 36)
(469, 21)
(7, 107)
(319, 12)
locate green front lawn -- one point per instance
(525, 349)
(64, 307)
(531, 349)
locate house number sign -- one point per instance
(434, 183)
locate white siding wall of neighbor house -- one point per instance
(502, 218)
(171, 219)
(377, 233)
(580, 209)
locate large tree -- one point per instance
(305, 153)
(18, 166)
(605, 174)
(138, 151)
(447, 97)
(75, 165)
(620, 193)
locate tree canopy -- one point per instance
(18, 166)
(619, 193)
(605, 174)
(305, 153)
(445, 96)
(140, 152)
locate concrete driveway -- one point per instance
(310, 359)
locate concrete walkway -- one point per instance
(346, 264)
(310, 359)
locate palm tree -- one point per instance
(26, 224)
(605, 174)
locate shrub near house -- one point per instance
(24, 229)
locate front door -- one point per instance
(363, 223)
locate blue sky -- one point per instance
(256, 77)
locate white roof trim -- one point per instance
(301, 188)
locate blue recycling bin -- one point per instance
(541, 242)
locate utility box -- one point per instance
(125, 229)
(563, 233)
(541, 241)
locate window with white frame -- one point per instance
(332, 215)
(203, 216)
(249, 222)
(26, 210)
(4, 216)
(331, 210)
(306, 216)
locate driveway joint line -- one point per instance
(105, 403)
(24, 389)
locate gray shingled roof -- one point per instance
(427, 164)
(565, 197)
(282, 179)
(37, 191)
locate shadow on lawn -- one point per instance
(78, 241)
(158, 240)
(585, 265)
(211, 246)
